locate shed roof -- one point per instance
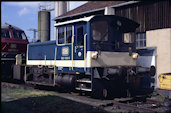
(91, 6)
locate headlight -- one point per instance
(94, 55)
(134, 55)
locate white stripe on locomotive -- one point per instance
(106, 59)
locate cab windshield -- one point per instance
(5, 33)
(100, 31)
(108, 35)
(19, 35)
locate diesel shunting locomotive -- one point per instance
(94, 54)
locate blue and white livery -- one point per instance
(95, 53)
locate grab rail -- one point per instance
(72, 47)
(85, 57)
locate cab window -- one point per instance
(128, 37)
(19, 35)
(68, 34)
(80, 36)
(61, 35)
(5, 33)
(100, 30)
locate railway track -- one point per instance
(116, 105)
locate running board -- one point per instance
(39, 83)
(83, 89)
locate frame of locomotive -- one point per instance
(89, 54)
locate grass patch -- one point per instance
(17, 93)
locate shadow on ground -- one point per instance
(46, 104)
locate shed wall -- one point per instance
(161, 39)
(150, 15)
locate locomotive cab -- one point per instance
(113, 40)
(13, 40)
(94, 54)
(114, 58)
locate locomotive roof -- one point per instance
(128, 24)
(85, 19)
(8, 26)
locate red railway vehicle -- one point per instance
(13, 42)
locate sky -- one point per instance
(25, 15)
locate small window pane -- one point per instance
(144, 43)
(61, 35)
(80, 36)
(5, 33)
(136, 36)
(141, 43)
(68, 34)
(136, 43)
(145, 36)
(141, 36)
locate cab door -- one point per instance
(80, 44)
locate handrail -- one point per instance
(25, 73)
(45, 59)
(72, 54)
(54, 67)
(85, 57)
